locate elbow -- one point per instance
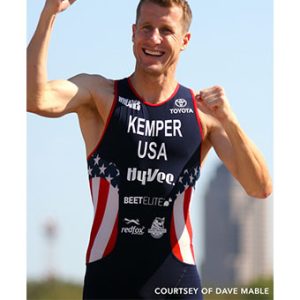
(262, 192)
(34, 104)
(35, 100)
(33, 107)
(39, 110)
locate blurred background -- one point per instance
(231, 46)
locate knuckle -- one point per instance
(203, 95)
(219, 89)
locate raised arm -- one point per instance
(58, 97)
(233, 146)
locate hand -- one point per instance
(213, 101)
(57, 6)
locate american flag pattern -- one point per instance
(187, 179)
(98, 167)
(181, 234)
(104, 180)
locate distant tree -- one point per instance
(53, 290)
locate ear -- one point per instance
(133, 32)
(185, 41)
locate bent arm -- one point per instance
(51, 98)
(242, 158)
(37, 53)
(233, 146)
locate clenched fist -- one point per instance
(57, 6)
(213, 101)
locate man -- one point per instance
(146, 137)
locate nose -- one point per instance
(155, 36)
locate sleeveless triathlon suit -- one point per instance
(141, 178)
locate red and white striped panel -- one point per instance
(104, 230)
(181, 229)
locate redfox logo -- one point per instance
(134, 229)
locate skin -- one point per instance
(158, 39)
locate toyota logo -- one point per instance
(181, 103)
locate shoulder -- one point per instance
(101, 92)
(100, 88)
(93, 81)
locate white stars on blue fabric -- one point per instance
(96, 160)
(98, 167)
(187, 179)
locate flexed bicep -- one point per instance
(61, 97)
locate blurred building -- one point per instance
(237, 236)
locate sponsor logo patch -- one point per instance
(133, 227)
(181, 103)
(150, 175)
(133, 104)
(181, 107)
(157, 229)
(147, 201)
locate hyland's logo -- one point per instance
(181, 107)
(133, 104)
(134, 229)
(157, 229)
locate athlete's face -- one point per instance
(158, 38)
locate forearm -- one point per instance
(249, 165)
(37, 53)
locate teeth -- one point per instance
(156, 53)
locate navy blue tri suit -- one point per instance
(141, 176)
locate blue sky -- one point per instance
(231, 46)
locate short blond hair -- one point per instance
(187, 12)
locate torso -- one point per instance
(141, 174)
(92, 119)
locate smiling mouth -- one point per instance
(154, 53)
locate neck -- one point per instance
(153, 88)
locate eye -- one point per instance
(166, 31)
(146, 28)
